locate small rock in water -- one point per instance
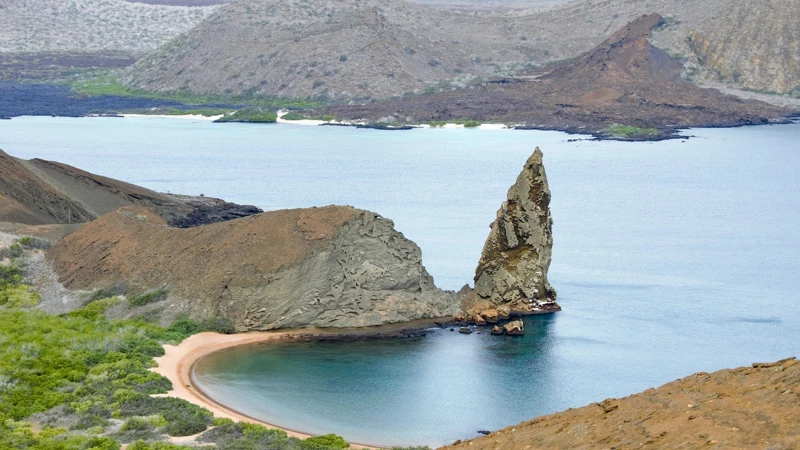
(484, 432)
(497, 331)
(465, 330)
(514, 328)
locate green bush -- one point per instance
(437, 123)
(34, 242)
(326, 442)
(629, 132)
(10, 275)
(293, 115)
(471, 124)
(183, 418)
(253, 115)
(19, 297)
(148, 297)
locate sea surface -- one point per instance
(670, 258)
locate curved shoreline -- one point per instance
(178, 362)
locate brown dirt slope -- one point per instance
(25, 198)
(38, 192)
(624, 80)
(331, 266)
(746, 408)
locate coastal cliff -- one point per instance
(326, 267)
(512, 271)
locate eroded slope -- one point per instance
(746, 408)
(331, 266)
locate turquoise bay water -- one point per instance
(670, 258)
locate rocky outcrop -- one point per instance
(512, 271)
(37, 192)
(746, 408)
(327, 267)
(514, 328)
(755, 45)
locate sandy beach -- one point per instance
(178, 362)
(168, 116)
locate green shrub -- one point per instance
(34, 242)
(218, 325)
(148, 297)
(437, 123)
(326, 442)
(471, 124)
(253, 115)
(95, 309)
(183, 418)
(19, 297)
(111, 291)
(10, 275)
(629, 132)
(293, 115)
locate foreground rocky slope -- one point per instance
(746, 408)
(37, 192)
(329, 267)
(624, 80)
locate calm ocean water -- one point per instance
(670, 258)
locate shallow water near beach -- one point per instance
(670, 258)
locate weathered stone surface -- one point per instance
(490, 316)
(512, 272)
(465, 330)
(497, 330)
(514, 328)
(328, 267)
(748, 408)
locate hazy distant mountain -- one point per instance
(92, 25)
(383, 48)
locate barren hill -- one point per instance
(332, 266)
(746, 408)
(92, 25)
(756, 47)
(624, 80)
(39, 192)
(381, 48)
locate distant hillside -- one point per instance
(624, 80)
(92, 25)
(374, 49)
(754, 45)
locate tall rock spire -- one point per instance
(512, 271)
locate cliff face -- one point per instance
(746, 408)
(513, 267)
(327, 267)
(752, 45)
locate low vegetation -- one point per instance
(251, 115)
(293, 115)
(105, 82)
(148, 297)
(81, 381)
(630, 132)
